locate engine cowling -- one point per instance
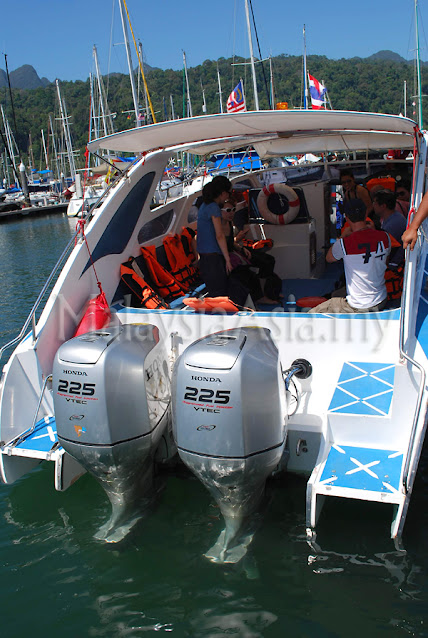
(229, 396)
(229, 421)
(112, 409)
(111, 386)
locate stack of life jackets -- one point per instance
(181, 258)
(151, 284)
(142, 295)
(164, 282)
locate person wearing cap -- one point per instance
(365, 253)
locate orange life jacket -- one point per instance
(140, 288)
(394, 278)
(261, 244)
(181, 264)
(187, 235)
(165, 283)
(211, 303)
(394, 282)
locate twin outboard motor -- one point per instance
(111, 398)
(230, 422)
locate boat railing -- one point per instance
(31, 319)
(407, 303)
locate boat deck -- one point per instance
(38, 443)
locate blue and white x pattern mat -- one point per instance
(42, 438)
(364, 389)
(363, 469)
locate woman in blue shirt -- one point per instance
(214, 260)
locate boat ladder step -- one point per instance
(368, 474)
(40, 442)
(34, 445)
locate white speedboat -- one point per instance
(241, 394)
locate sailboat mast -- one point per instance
(219, 90)
(253, 66)
(146, 102)
(418, 69)
(129, 58)
(272, 92)
(106, 117)
(172, 107)
(305, 71)
(54, 147)
(204, 104)
(9, 143)
(405, 98)
(45, 150)
(94, 121)
(189, 103)
(30, 153)
(67, 136)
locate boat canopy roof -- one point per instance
(272, 133)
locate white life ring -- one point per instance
(288, 193)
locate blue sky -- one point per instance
(57, 36)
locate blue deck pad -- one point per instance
(363, 469)
(364, 389)
(314, 287)
(42, 438)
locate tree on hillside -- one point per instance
(372, 84)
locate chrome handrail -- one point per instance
(404, 355)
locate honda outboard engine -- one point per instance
(111, 399)
(229, 422)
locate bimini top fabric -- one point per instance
(272, 133)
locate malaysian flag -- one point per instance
(317, 91)
(236, 100)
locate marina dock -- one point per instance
(33, 211)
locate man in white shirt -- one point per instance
(365, 254)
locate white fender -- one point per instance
(293, 203)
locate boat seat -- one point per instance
(131, 286)
(177, 257)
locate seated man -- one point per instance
(392, 222)
(402, 191)
(365, 253)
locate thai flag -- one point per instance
(317, 91)
(236, 100)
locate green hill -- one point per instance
(370, 84)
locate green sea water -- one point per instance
(56, 580)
